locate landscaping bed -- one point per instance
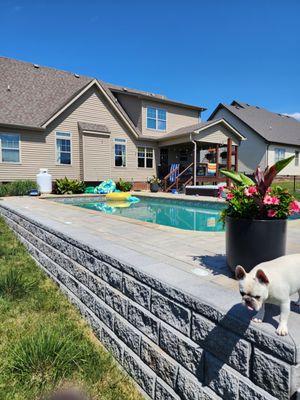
(45, 344)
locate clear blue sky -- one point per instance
(200, 52)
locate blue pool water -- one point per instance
(190, 215)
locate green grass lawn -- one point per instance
(45, 344)
(289, 184)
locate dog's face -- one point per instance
(254, 289)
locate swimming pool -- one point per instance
(183, 214)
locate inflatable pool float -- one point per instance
(105, 187)
(118, 196)
(118, 204)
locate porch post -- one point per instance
(195, 164)
(236, 159)
(217, 160)
(229, 156)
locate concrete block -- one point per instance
(104, 313)
(142, 374)
(136, 291)
(248, 390)
(128, 334)
(182, 349)
(144, 321)
(271, 374)
(163, 365)
(174, 314)
(96, 285)
(189, 388)
(116, 300)
(164, 392)
(221, 342)
(112, 344)
(222, 379)
(110, 275)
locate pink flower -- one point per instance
(250, 191)
(294, 207)
(271, 200)
(272, 213)
(229, 196)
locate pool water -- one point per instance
(189, 215)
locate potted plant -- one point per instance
(256, 217)
(154, 183)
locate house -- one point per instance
(270, 136)
(84, 128)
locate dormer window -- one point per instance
(156, 119)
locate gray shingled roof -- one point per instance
(30, 95)
(87, 126)
(273, 127)
(185, 130)
(150, 96)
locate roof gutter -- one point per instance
(20, 126)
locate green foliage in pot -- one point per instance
(17, 188)
(153, 180)
(257, 199)
(69, 186)
(124, 186)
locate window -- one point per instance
(156, 119)
(145, 157)
(120, 152)
(296, 158)
(279, 154)
(10, 147)
(63, 148)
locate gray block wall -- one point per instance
(173, 345)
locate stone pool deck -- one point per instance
(162, 301)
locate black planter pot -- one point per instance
(154, 187)
(250, 242)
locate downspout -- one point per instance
(195, 159)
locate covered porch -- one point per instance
(195, 155)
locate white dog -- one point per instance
(271, 282)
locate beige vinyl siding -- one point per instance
(38, 148)
(290, 169)
(253, 151)
(133, 107)
(97, 157)
(216, 134)
(177, 117)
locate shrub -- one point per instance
(69, 186)
(17, 188)
(124, 186)
(14, 285)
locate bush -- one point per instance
(69, 186)
(14, 285)
(124, 186)
(17, 188)
(48, 354)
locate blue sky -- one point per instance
(198, 52)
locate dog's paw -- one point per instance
(257, 320)
(282, 330)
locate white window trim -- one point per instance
(156, 119)
(280, 149)
(71, 149)
(20, 154)
(123, 141)
(145, 158)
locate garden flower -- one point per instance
(229, 196)
(295, 207)
(271, 200)
(250, 191)
(272, 213)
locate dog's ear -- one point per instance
(240, 273)
(262, 277)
